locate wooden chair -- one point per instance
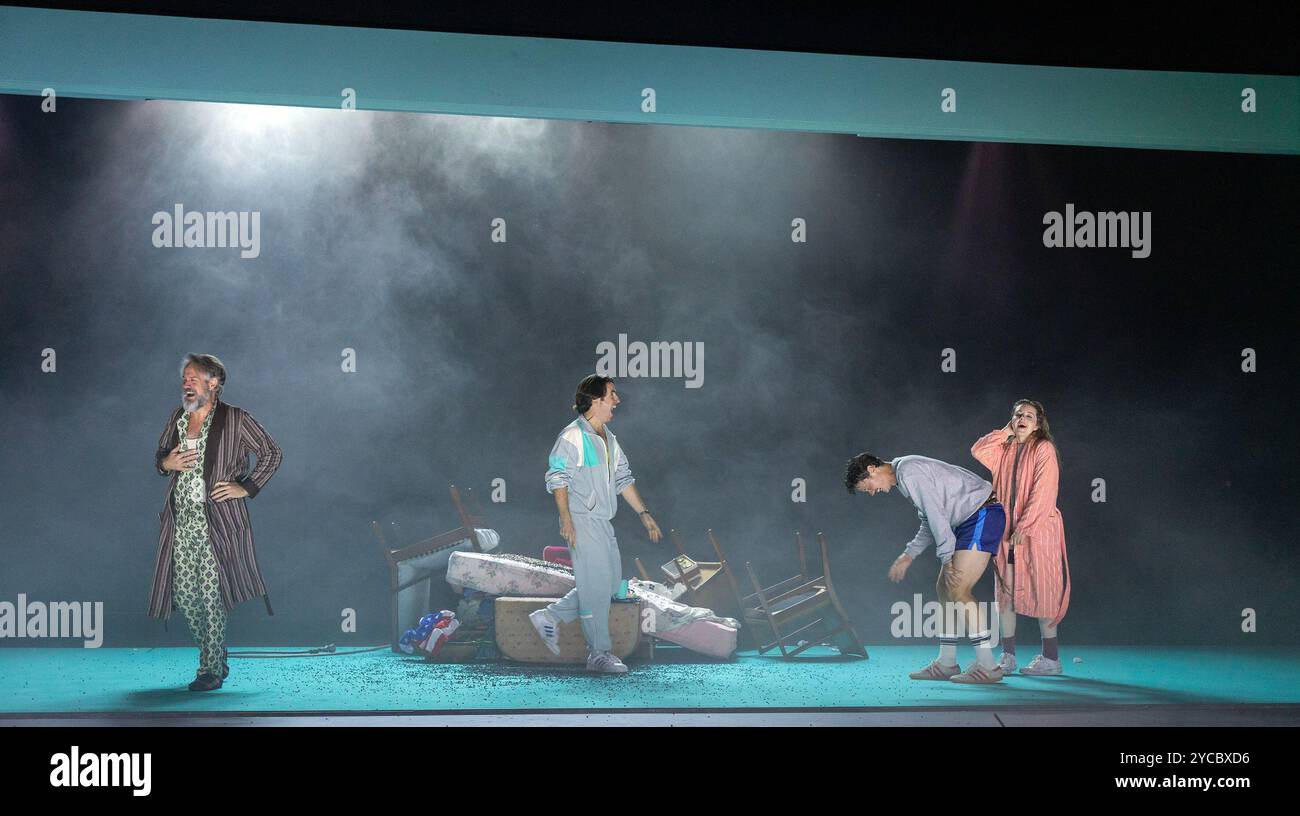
(411, 569)
(803, 607)
(703, 580)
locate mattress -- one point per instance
(518, 640)
(704, 636)
(691, 627)
(508, 574)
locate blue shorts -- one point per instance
(982, 531)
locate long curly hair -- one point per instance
(1044, 429)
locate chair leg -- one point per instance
(677, 542)
(747, 634)
(845, 623)
(812, 640)
(767, 613)
(378, 530)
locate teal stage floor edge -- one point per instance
(153, 680)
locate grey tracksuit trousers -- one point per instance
(598, 568)
(594, 471)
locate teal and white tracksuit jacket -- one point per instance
(594, 473)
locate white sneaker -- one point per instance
(1007, 663)
(605, 662)
(1042, 666)
(548, 628)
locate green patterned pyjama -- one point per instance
(196, 583)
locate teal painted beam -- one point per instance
(127, 56)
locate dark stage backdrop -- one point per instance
(376, 235)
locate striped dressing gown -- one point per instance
(233, 435)
(1040, 584)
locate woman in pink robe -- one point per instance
(1033, 574)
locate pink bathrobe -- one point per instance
(1042, 571)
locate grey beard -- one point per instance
(191, 406)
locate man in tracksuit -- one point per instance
(962, 518)
(587, 472)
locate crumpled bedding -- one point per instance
(670, 614)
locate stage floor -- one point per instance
(1112, 685)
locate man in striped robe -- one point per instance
(206, 563)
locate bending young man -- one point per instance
(588, 472)
(963, 520)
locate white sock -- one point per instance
(983, 649)
(947, 651)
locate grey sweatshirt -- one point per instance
(945, 495)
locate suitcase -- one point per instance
(557, 555)
(508, 574)
(518, 640)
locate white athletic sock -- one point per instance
(983, 649)
(947, 651)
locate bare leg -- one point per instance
(959, 576)
(1007, 621)
(948, 632)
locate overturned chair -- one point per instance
(703, 582)
(413, 568)
(803, 607)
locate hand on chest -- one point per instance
(215, 463)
